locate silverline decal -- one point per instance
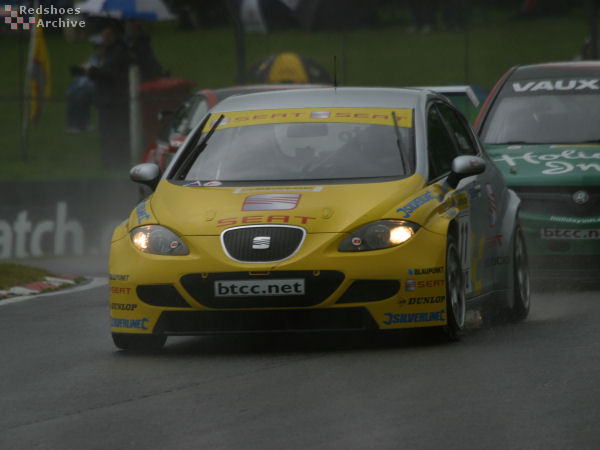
(414, 204)
(140, 324)
(141, 212)
(575, 220)
(437, 316)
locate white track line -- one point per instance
(94, 283)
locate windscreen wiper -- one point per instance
(402, 156)
(191, 157)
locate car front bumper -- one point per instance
(178, 295)
(566, 244)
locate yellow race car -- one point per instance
(319, 209)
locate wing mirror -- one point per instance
(145, 173)
(465, 166)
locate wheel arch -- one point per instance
(510, 219)
(449, 226)
(507, 229)
(453, 228)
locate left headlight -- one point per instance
(157, 240)
(379, 235)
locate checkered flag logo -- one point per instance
(14, 20)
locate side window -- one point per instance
(178, 120)
(460, 132)
(440, 146)
(197, 114)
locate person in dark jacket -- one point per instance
(141, 53)
(80, 93)
(111, 79)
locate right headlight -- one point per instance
(157, 240)
(379, 235)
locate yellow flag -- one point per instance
(40, 87)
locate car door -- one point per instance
(486, 191)
(449, 136)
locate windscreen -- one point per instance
(303, 144)
(545, 112)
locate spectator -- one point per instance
(453, 14)
(424, 15)
(140, 52)
(111, 79)
(80, 93)
(587, 51)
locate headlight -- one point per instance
(378, 235)
(157, 240)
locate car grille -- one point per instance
(370, 291)
(211, 322)
(558, 201)
(262, 243)
(318, 286)
(161, 295)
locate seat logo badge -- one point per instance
(261, 242)
(581, 197)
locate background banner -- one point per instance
(55, 218)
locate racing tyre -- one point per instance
(456, 306)
(139, 342)
(519, 304)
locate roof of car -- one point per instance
(266, 87)
(224, 92)
(556, 69)
(326, 97)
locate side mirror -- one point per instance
(465, 166)
(145, 173)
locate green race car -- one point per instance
(540, 126)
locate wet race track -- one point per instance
(530, 385)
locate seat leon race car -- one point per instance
(324, 209)
(540, 126)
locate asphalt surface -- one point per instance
(532, 385)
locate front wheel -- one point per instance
(518, 308)
(139, 342)
(455, 292)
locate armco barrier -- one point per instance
(55, 218)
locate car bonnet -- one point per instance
(319, 208)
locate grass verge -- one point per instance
(17, 274)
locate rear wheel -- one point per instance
(519, 304)
(139, 342)
(455, 292)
